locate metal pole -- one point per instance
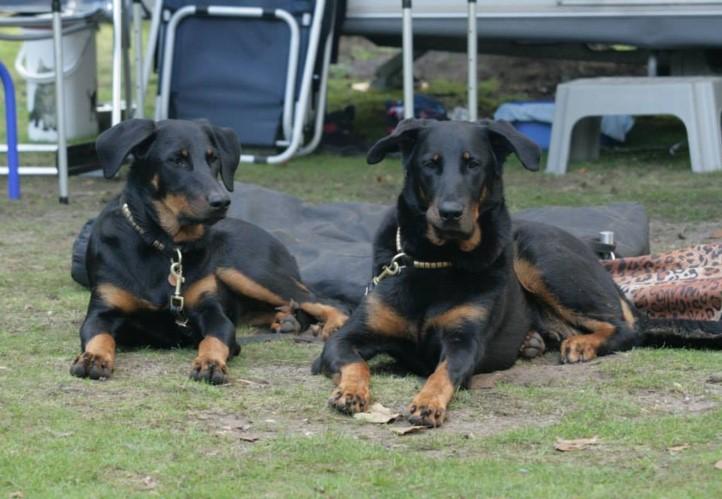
(471, 50)
(127, 74)
(408, 54)
(11, 123)
(138, 45)
(60, 102)
(117, 59)
(152, 42)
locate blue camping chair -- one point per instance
(257, 66)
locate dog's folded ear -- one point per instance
(229, 150)
(402, 137)
(505, 139)
(114, 144)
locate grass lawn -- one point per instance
(151, 431)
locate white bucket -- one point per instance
(35, 63)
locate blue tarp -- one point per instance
(615, 126)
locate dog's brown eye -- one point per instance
(433, 162)
(211, 155)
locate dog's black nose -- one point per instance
(450, 211)
(218, 200)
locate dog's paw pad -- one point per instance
(89, 365)
(533, 346)
(430, 415)
(349, 402)
(210, 371)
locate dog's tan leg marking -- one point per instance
(384, 320)
(246, 286)
(585, 347)
(331, 317)
(200, 289)
(456, 316)
(352, 394)
(579, 348)
(429, 406)
(210, 363)
(122, 300)
(98, 359)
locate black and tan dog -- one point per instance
(458, 290)
(166, 268)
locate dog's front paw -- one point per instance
(350, 400)
(430, 413)
(212, 371)
(581, 348)
(92, 365)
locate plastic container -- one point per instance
(35, 63)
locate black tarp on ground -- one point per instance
(332, 242)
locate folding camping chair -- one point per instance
(251, 65)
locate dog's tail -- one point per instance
(681, 333)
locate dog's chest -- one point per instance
(154, 282)
(416, 301)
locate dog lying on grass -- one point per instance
(167, 268)
(458, 289)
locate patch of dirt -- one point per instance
(674, 403)
(667, 236)
(547, 371)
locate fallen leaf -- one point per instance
(361, 86)
(678, 448)
(150, 482)
(16, 495)
(377, 414)
(62, 434)
(405, 430)
(715, 378)
(483, 381)
(249, 438)
(717, 234)
(252, 382)
(718, 464)
(575, 444)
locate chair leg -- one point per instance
(709, 104)
(561, 134)
(585, 139)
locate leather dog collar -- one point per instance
(417, 263)
(125, 210)
(175, 277)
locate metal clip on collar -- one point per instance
(393, 268)
(177, 301)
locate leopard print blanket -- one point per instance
(682, 284)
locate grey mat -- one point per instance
(332, 242)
